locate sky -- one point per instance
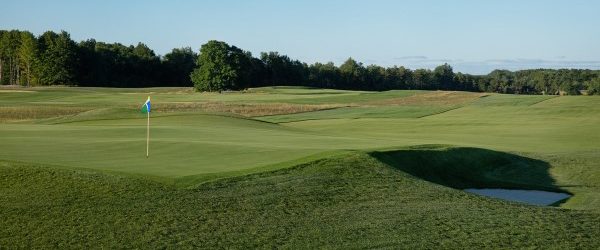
(474, 36)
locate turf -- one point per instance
(294, 167)
(353, 201)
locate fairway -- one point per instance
(284, 153)
(103, 129)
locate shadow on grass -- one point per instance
(461, 168)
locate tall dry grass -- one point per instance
(244, 109)
(16, 113)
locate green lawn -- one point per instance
(361, 170)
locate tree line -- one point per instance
(54, 58)
(224, 67)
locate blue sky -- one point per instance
(474, 36)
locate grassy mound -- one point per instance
(352, 201)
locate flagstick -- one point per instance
(148, 135)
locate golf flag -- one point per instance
(146, 109)
(146, 106)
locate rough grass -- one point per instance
(244, 109)
(11, 114)
(350, 202)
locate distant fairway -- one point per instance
(322, 153)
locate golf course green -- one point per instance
(295, 167)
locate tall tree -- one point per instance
(145, 64)
(58, 58)
(398, 78)
(221, 67)
(28, 52)
(87, 72)
(444, 77)
(422, 79)
(593, 86)
(3, 52)
(375, 78)
(324, 75)
(281, 70)
(178, 64)
(9, 46)
(353, 74)
(501, 81)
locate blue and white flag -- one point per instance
(146, 106)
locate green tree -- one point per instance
(422, 79)
(444, 77)
(501, 81)
(353, 74)
(221, 67)
(281, 70)
(178, 64)
(324, 75)
(9, 59)
(375, 78)
(569, 88)
(28, 53)
(398, 78)
(3, 53)
(145, 66)
(58, 58)
(593, 86)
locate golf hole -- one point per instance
(534, 197)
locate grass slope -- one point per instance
(353, 201)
